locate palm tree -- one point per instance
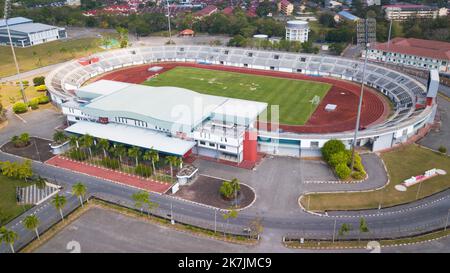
(59, 201)
(172, 161)
(9, 237)
(73, 141)
(31, 222)
(79, 190)
(135, 152)
(236, 187)
(121, 151)
(88, 141)
(59, 137)
(103, 144)
(152, 155)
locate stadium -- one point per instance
(317, 98)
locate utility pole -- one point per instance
(215, 221)
(366, 30)
(389, 35)
(446, 222)
(334, 229)
(6, 15)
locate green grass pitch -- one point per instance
(293, 96)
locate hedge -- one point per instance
(34, 103)
(143, 170)
(77, 154)
(20, 107)
(38, 80)
(343, 171)
(43, 99)
(331, 147)
(110, 163)
(41, 88)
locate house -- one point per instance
(207, 11)
(186, 33)
(345, 16)
(418, 53)
(285, 7)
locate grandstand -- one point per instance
(408, 96)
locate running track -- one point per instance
(344, 94)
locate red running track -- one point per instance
(121, 178)
(344, 94)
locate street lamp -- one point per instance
(366, 34)
(6, 15)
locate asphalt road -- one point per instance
(408, 219)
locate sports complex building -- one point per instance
(102, 96)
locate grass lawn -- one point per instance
(11, 93)
(401, 164)
(46, 54)
(8, 205)
(292, 96)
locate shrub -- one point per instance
(342, 171)
(77, 154)
(41, 88)
(21, 141)
(110, 163)
(331, 147)
(226, 189)
(143, 170)
(20, 107)
(39, 80)
(338, 158)
(43, 99)
(33, 103)
(359, 175)
(442, 149)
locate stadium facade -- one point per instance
(413, 103)
(171, 120)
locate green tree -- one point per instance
(9, 237)
(140, 198)
(59, 201)
(87, 142)
(136, 153)
(344, 229)
(172, 161)
(31, 222)
(79, 190)
(104, 145)
(59, 137)
(153, 156)
(24, 170)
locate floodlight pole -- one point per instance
(168, 20)
(358, 117)
(6, 12)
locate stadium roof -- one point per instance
(31, 27)
(347, 15)
(15, 21)
(134, 136)
(99, 88)
(417, 47)
(169, 104)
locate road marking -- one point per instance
(19, 117)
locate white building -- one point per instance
(297, 31)
(402, 12)
(418, 53)
(26, 33)
(171, 120)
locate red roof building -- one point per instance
(228, 10)
(187, 33)
(425, 54)
(207, 11)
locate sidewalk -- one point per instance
(114, 176)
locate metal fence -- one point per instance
(375, 234)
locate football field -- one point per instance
(294, 97)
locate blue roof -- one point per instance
(347, 15)
(15, 21)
